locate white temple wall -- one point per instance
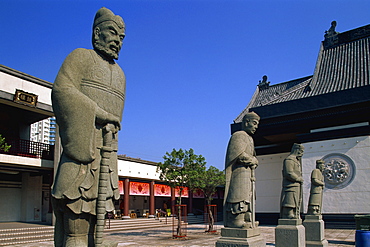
(351, 196)
(268, 182)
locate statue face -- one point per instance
(108, 39)
(321, 166)
(300, 152)
(251, 126)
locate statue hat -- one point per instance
(104, 14)
(251, 115)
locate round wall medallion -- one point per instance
(339, 171)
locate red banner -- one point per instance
(137, 188)
(198, 194)
(162, 190)
(185, 191)
(120, 187)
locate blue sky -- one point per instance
(191, 66)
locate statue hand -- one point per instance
(115, 121)
(300, 180)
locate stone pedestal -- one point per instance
(239, 237)
(315, 236)
(290, 232)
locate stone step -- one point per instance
(19, 236)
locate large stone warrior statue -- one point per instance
(88, 98)
(317, 186)
(291, 194)
(240, 164)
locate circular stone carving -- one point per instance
(339, 171)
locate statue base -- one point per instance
(315, 236)
(290, 232)
(241, 237)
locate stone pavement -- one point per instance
(197, 237)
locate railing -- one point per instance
(31, 149)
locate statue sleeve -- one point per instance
(236, 147)
(74, 111)
(289, 170)
(316, 178)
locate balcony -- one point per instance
(26, 148)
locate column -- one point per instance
(126, 199)
(173, 200)
(151, 200)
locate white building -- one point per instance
(26, 171)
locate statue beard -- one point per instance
(104, 50)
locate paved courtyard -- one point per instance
(197, 237)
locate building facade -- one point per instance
(328, 113)
(143, 193)
(26, 170)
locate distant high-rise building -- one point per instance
(43, 131)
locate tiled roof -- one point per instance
(343, 63)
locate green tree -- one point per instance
(3, 145)
(181, 168)
(208, 182)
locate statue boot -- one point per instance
(236, 220)
(288, 213)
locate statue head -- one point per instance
(108, 33)
(250, 122)
(320, 164)
(297, 150)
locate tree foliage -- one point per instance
(209, 180)
(3, 145)
(181, 168)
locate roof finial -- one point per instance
(264, 84)
(331, 31)
(331, 36)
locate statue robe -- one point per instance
(238, 175)
(291, 192)
(87, 86)
(317, 186)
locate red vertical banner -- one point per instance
(162, 190)
(120, 187)
(137, 188)
(198, 194)
(185, 191)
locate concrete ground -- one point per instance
(196, 236)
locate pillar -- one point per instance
(173, 200)
(151, 200)
(126, 198)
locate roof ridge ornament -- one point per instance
(264, 84)
(331, 36)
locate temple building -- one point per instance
(327, 112)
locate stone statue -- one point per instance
(240, 165)
(88, 98)
(317, 186)
(291, 194)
